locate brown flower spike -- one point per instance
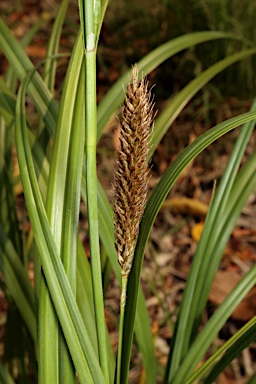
(132, 173)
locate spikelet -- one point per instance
(132, 173)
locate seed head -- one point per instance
(132, 173)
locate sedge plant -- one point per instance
(60, 318)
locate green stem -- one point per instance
(121, 325)
(91, 178)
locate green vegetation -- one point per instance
(143, 28)
(58, 320)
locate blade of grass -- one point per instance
(85, 299)
(231, 349)
(81, 50)
(8, 211)
(57, 208)
(115, 96)
(10, 76)
(71, 213)
(243, 186)
(49, 71)
(5, 377)
(37, 89)
(42, 169)
(157, 197)
(19, 269)
(53, 44)
(176, 105)
(103, 7)
(7, 107)
(48, 336)
(9, 222)
(84, 293)
(70, 319)
(212, 328)
(16, 279)
(206, 259)
(223, 200)
(11, 80)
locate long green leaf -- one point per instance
(212, 328)
(49, 71)
(11, 250)
(72, 209)
(152, 208)
(53, 44)
(176, 105)
(42, 170)
(104, 4)
(7, 103)
(223, 203)
(84, 293)
(115, 96)
(8, 212)
(69, 316)
(84, 282)
(11, 77)
(17, 281)
(231, 349)
(58, 208)
(207, 257)
(86, 305)
(244, 184)
(37, 89)
(224, 198)
(5, 377)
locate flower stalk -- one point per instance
(131, 181)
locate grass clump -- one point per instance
(57, 163)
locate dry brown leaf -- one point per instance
(224, 379)
(36, 51)
(18, 189)
(187, 206)
(241, 232)
(237, 248)
(142, 379)
(223, 284)
(196, 231)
